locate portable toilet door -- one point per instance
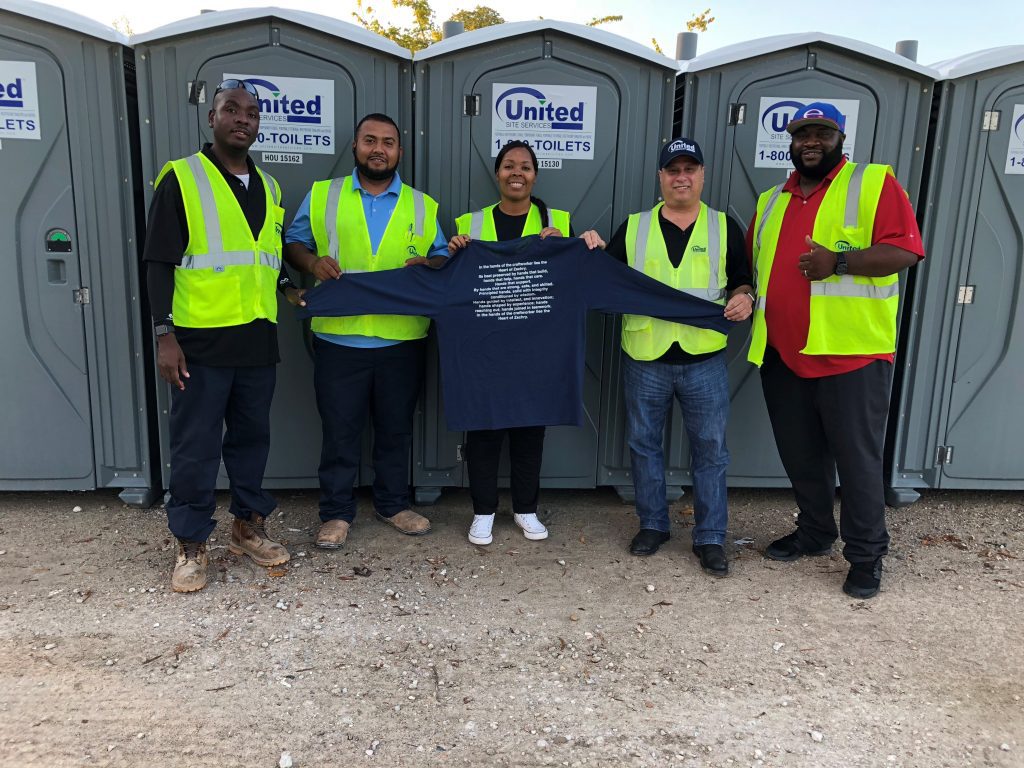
(960, 418)
(737, 101)
(74, 392)
(316, 77)
(618, 97)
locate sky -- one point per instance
(944, 28)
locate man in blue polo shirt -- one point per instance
(369, 364)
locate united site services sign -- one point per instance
(557, 121)
(1015, 149)
(296, 114)
(19, 101)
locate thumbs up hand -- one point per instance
(818, 262)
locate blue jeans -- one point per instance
(702, 390)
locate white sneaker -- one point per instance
(480, 530)
(533, 529)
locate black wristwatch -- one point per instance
(841, 266)
(163, 328)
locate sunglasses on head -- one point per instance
(232, 83)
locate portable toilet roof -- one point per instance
(979, 61)
(64, 18)
(326, 24)
(503, 32)
(764, 46)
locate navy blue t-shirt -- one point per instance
(511, 322)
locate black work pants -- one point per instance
(483, 452)
(352, 383)
(825, 424)
(215, 398)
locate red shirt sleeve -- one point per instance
(895, 223)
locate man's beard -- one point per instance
(829, 160)
(372, 173)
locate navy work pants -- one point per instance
(352, 383)
(221, 412)
(825, 424)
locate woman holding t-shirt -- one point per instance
(517, 214)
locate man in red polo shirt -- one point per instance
(827, 247)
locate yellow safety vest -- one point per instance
(849, 314)
(226, 277)
(701, 272)
(479, 225)
(338, 221)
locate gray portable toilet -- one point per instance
(339, 72)
(599, 165)
(959, 414)
(74, 391)
(736, 103)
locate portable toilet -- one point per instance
(736, 102)
(599, 163)
(75, 414)
(962, 374)
(339, 72)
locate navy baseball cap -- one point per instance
(817, 113)
(680, 148)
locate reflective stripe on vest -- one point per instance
(647, 338)
(410, 232)
(841, 323)
(479, 225)
(331, 222)
(216, 257)
(716, 277)
(227, 276)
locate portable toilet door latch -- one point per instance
(81, 295)
(990, 120)
(197, 92)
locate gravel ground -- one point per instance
(403, 651)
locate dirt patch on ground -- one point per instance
(562, 652)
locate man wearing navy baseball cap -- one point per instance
(827, 247)
(686, 244)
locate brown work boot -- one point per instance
(190, 569)
(332, 534)
(249, 537)
(408, 522)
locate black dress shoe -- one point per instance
(863, 580)
(648, 541)
(712, 558)
(789, 548)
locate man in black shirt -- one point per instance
(685, 244)
(213, 254)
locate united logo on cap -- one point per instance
(680, 148)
